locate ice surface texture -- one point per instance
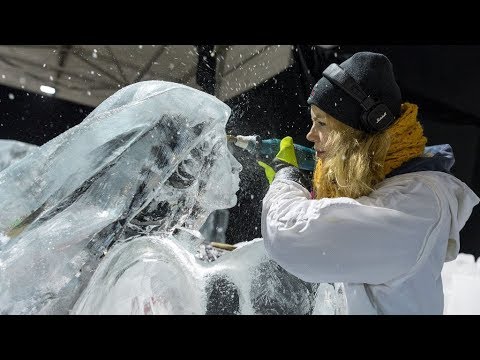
(12, 151)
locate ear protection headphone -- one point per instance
(376, 116)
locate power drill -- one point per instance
(269, 148)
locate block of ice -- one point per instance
(461, 286)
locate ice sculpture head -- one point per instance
(206, 180)
(204, 177)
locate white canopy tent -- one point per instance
(88, 74)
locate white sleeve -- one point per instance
(342, 240)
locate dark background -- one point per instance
(442, 79)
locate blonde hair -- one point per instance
(358, 161)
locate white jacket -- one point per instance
(387, 248)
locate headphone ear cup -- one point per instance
(378, 118)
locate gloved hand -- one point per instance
(285, 159)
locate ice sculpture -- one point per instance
(134, 159)
(12, 151)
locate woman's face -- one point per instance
(318, 134)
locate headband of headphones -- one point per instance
(376, 116)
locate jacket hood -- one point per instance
(461, 200)
(435, 158)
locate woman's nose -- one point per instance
(311, 136)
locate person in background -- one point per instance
(385, 212)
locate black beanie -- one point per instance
(374, 73)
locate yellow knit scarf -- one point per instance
(406, 139)
(407, 142)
